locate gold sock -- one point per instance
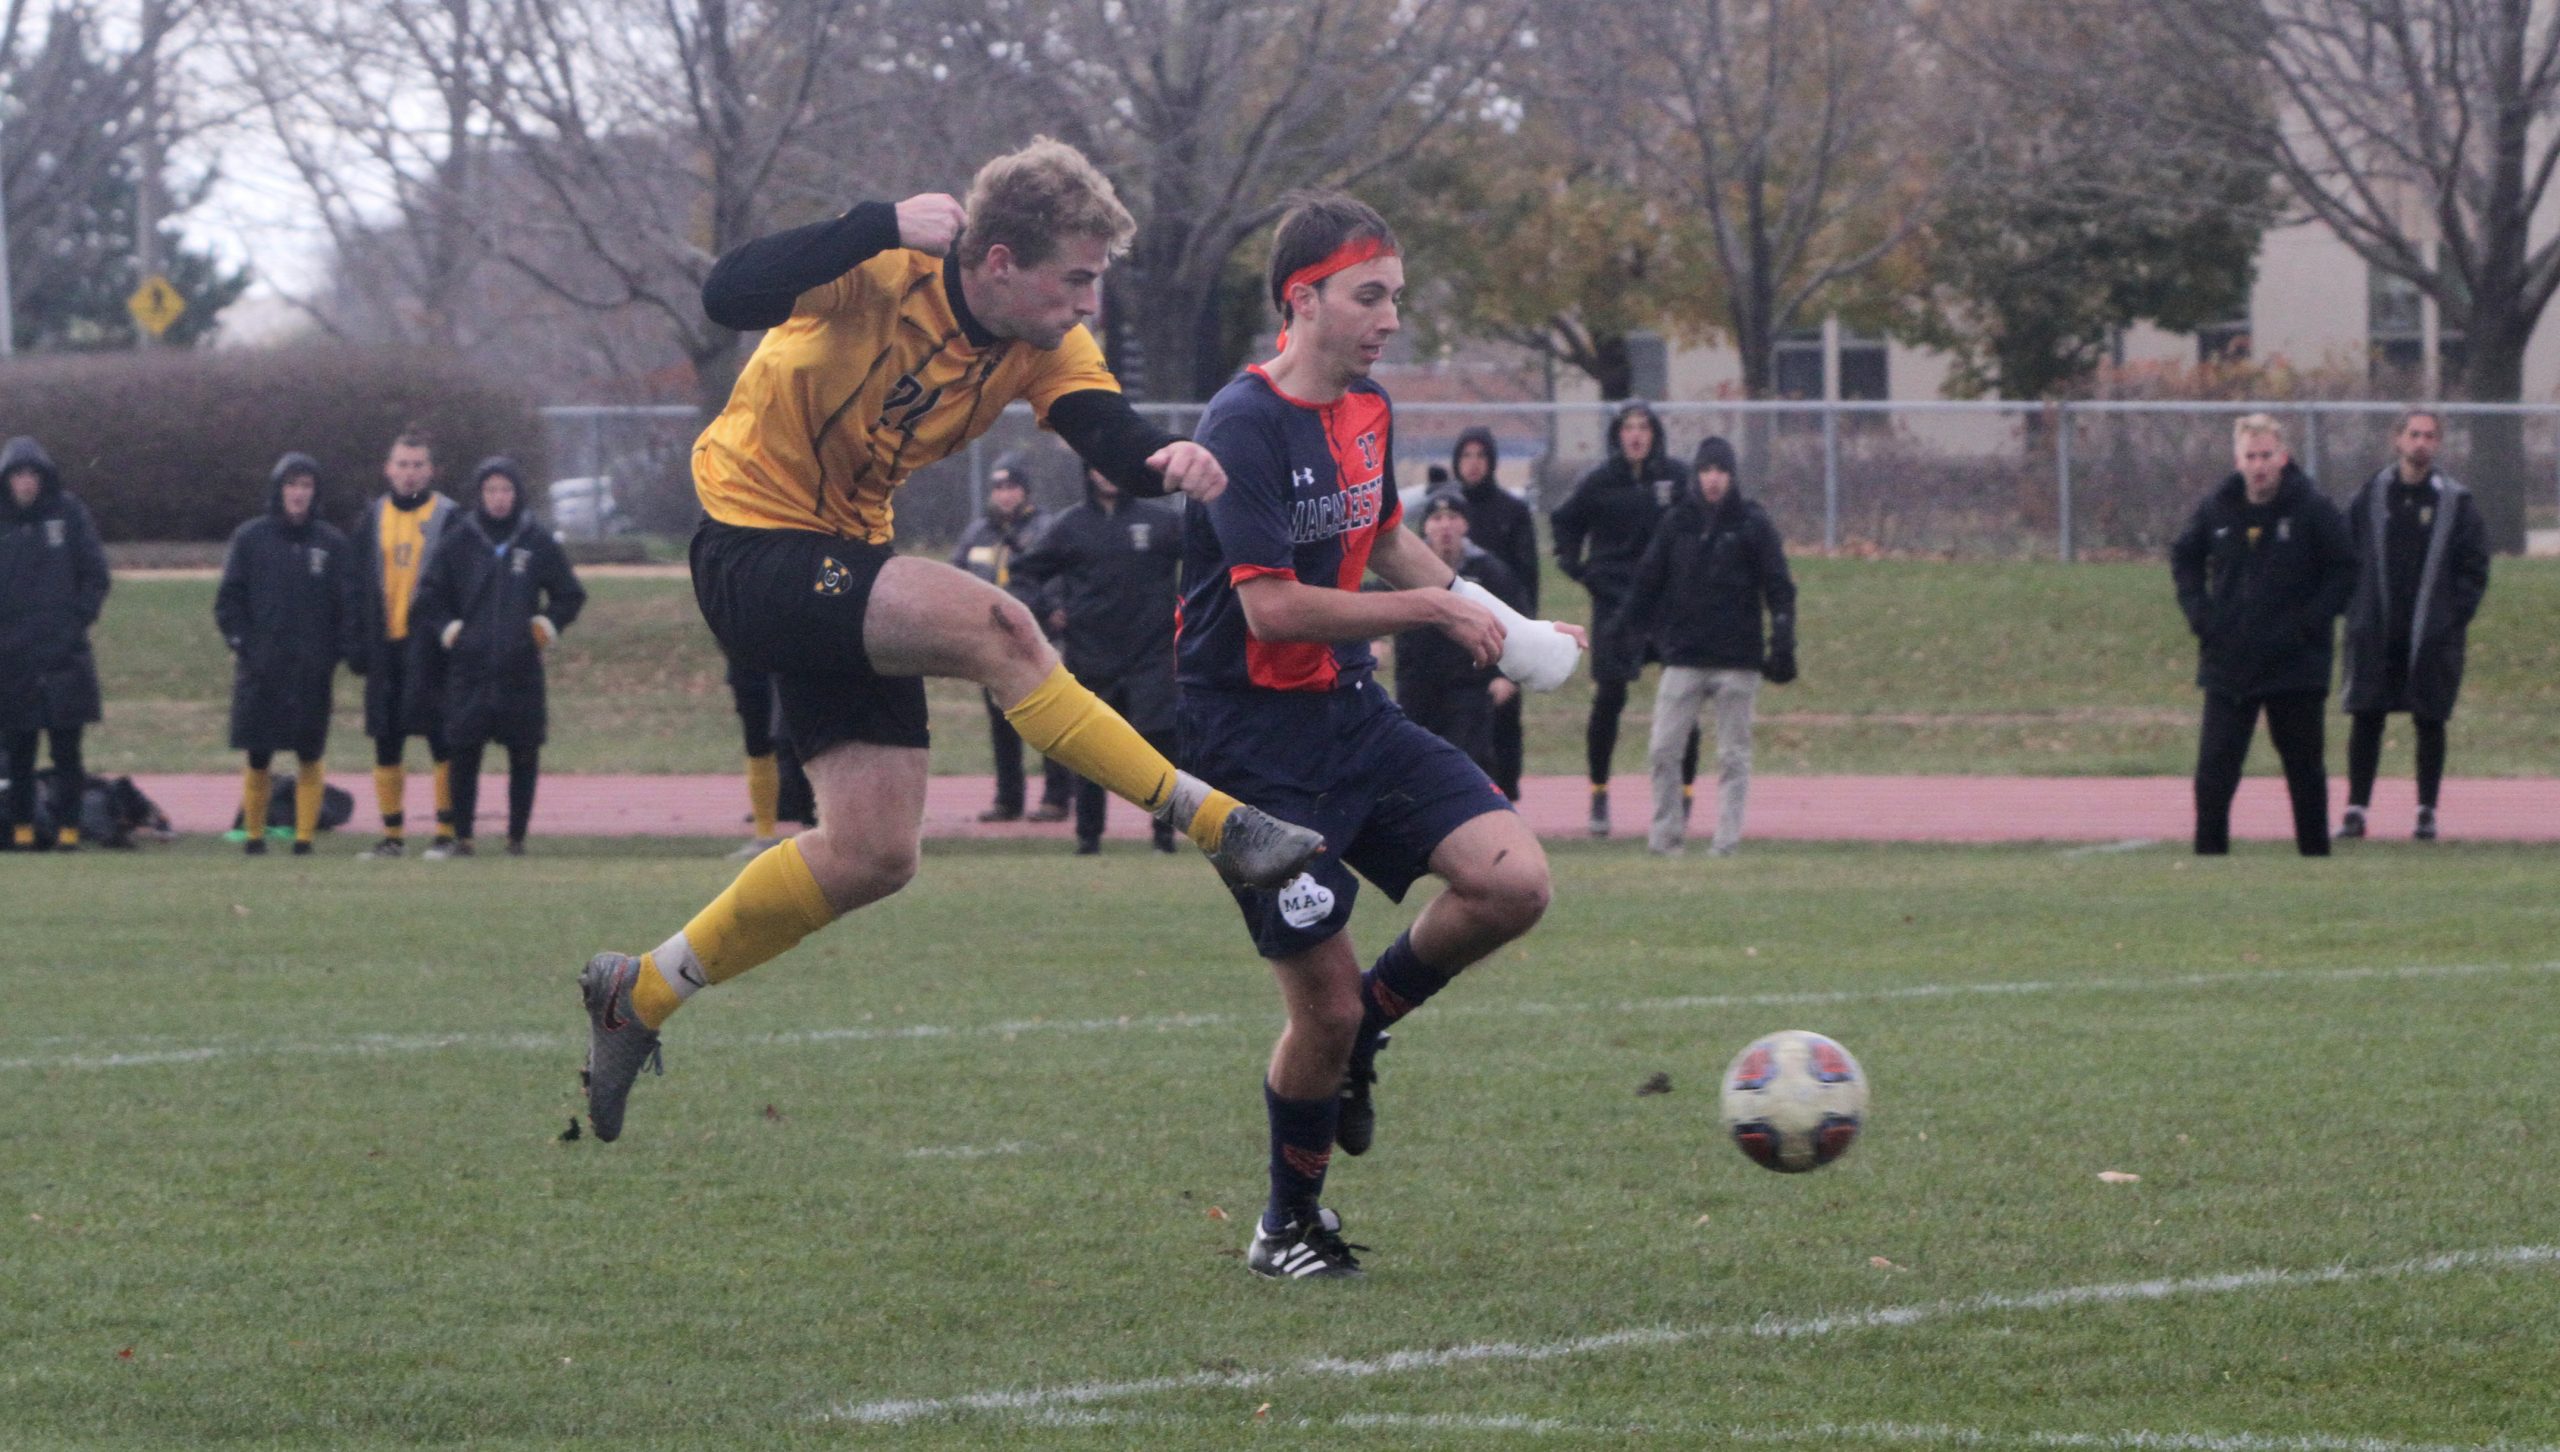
(67, 837)
(1061, 719)
(390, 790)
(764, 795)
(24, 834)
(773, 904)
(444, 798)
(255, 788)
(310, 784)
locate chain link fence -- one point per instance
(1964, 479)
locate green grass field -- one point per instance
(282, 1164)
(1909, 666)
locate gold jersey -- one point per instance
(402, 538)
(871, 378)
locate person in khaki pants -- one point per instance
(1713, 595)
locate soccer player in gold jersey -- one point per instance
(895, 335)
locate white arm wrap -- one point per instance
(1534, 653)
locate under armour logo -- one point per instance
(1302, 478)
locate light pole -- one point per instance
(8, 318)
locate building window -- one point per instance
(2226, 342)
(1797, 374)
(2399, 345)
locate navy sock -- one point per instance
(1397, 984)
(1301, 1148)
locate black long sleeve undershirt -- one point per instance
(1108, 434)
(754, 284)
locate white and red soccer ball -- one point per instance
(1794, 1101)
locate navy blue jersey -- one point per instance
(1309, 486)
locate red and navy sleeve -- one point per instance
(1251, 517)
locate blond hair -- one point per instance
(1027, 200)
(2258, 425)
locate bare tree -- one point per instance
(1793, 127)
(376, 105)
(643, 138)
(1207, 112)
(2426, 135)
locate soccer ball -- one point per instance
(1793, 1101)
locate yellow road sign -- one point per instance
(155, 305)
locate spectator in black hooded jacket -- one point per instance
(498, 591)
(2422, 568)
(1502, 526)
(1003, 533)
(53, 584)
(2263, 568)
(287, 608)
(1437, 683)
(1107, 570)
(1713, 595)
(1611, 514)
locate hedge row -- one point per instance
(177, 445)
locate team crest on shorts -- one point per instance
(833, 577)
(1305, 902)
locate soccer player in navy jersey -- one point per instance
(1278, 701)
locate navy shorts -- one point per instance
(791, 603)
(1384, 792)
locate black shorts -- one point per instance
(1384, 792)
(791, 603)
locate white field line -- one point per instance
(968, 1151)
(157, 1052)
(1718, 1434)
(1037, 1400)
(2109, 849)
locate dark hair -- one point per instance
(1316, 224)
(415, 436)
(2419, 412)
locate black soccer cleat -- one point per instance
(2351, 826)
(1303, 1250)
(2426, 828)
(1355, 1127)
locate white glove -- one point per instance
(452, 628)
(544, 632)
(1534, 652)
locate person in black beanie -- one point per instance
(1437, 683)
(1501, 525)
(2263, 567)
(1003, 533)
(53, 584)
(498, 591)
(1613, 512)
(2422, 567)
(1711, 580)
(287, 607)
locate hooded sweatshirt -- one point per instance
(495, 576)
(287, 608)
(1613, 511)
(1497, 522)
(1711, 578)
(53, 584)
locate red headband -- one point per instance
(1349, 254)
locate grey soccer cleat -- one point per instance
(1259, 850)
(619, 1046)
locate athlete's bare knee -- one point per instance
(854, 872)
(1509, 897)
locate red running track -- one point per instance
(1800, 808)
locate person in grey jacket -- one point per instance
(2422, 566)
(53, 584)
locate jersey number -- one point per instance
(908, 404)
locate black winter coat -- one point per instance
(988, 550)
(1497, 522)
(400, 676)
(2449, 589)
(1705, 583)
(1601, 531)
(1114, 574)
(287, 608)
(494, 580)
(53, 584)
(2262, 587)
(1429, 662)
